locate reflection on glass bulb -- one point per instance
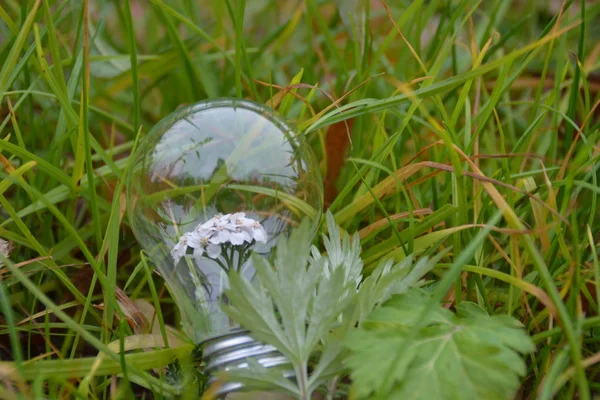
(210, 184)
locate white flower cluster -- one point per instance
(208, 237)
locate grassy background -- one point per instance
(455, 110)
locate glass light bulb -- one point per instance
(209, 184)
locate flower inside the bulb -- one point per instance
(221, 230)
(228, 156)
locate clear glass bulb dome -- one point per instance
(209, 184)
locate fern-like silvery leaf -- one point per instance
(293, 304)
(340, 253)
(467, 355)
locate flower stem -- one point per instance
(301, 371)
(231, 256)
(195, 278)
(228, 258)
(223, 267)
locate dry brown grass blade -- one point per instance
(135, 317)
(336, 103)
(424, 178)
(384, 222)
(384, 188)
(509, 214)
(497, 198)
(482, 178)
(410, 47)
(396, 82)
(21, 264)
(8, 167)
(274, 101)
(277, 98)
(424, 150)
(506, 231)
(389, 186)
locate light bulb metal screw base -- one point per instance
(232, 350)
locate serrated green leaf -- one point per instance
(340, 253)
(306, 302)
(467, 355)
(295, 304)
(254, 308)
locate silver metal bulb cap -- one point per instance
(232, 350)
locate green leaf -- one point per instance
(280, 309)
(340, 253)
(467, 355)
(305, 303)
(288, 99)
(8, 67)
(296, 304)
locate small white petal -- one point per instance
(237, 216)
(236, 238)
(208, 237)
(246, 234)
(248, 222)
(198, 253)
(208, 225)
(220, 236)
(224, 218)
(177, 252)
(222, 224)
(259, 234)
(205, 227)
(194, 240)
(213, 250)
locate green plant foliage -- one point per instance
(467, 355)
(304, 304)
(457, 138)
(294, 305)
